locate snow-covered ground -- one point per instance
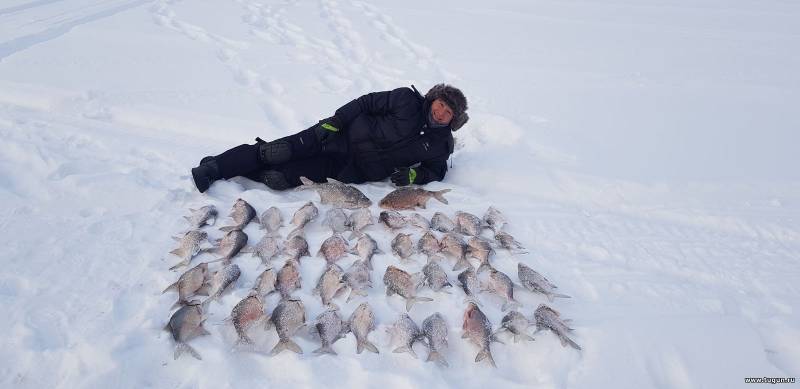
(644, 151)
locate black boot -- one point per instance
(205, 174)
(275, 152)
(274, 180)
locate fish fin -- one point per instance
(229, 228)
(472, 299)
(285, 344)
(567, 341)
(248, 249)
(561, 296)
(332, 306)
(325, 350)
(406, 349)
(176, 238)
(499, 331)
(464, 335)
(173, 286)
(188, 218)
(483, 267)
(485, 354)
(181, 347)
(306, 183)
(439, 195)
(437, 357)
(340, 292)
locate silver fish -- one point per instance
(189, 283)
(494, 219)
(206, 215)
(470, 285)
(434, 329)
(405, 332)
(478, 329)
(305, 214)
(358, 221)
(420, 221)
(392, 220)
(517, 324)
(549, 319)
(337, 193)
(480, 249)
(330, 327)
(336, 220)
(440, 222)
(242, 213)
(400, 282)
(509, 243)
(365, 248)
(219, 282)
(434, 277)
(454, 246)
(266, 249)
(288, 317)
(246, 313)
(288, 278)
(189, 247)
(468, 224)
(271, 220)
(403, 246)
(500, 284)
(296, 247)
(265, 283)
(184, 325)
(536, 283)
(361, 323)
(429, 245)
(330, 284)
(357, 277)
(410, 198)
(333, 248)
(230, 245)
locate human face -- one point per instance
(441, 112)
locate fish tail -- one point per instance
(485, 354)
(173, 286)
(179, 252)
(286, 344)
(437, 357)
(185, 262)
(567, 341)
(406, 349)
(439, 195)
(362, 344)
(410, 302)
(511, 304)
(461, 264)
(181, 348)
(325, 349)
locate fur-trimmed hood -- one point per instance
(455, 99)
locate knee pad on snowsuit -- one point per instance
(275, 152)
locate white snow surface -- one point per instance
(644, 151)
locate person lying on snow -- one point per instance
(399, 134)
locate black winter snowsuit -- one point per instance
(380, 131)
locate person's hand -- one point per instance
(326, 129)
(403, 176)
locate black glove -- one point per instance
(327, 129)
(404, 176)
